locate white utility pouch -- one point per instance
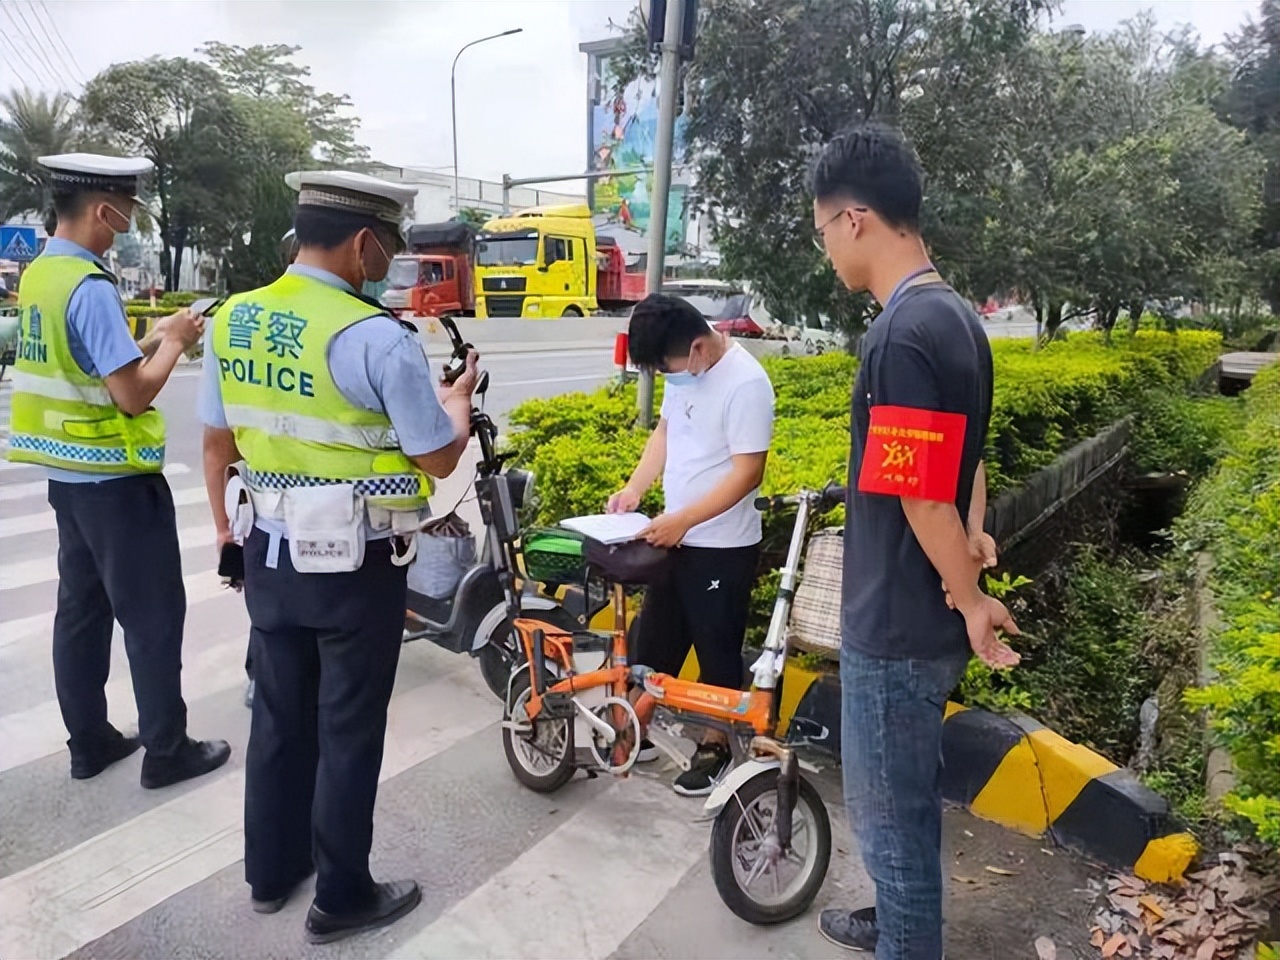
(238, 504)
(325, 528)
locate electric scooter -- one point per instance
(479, 617)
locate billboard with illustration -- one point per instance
(622, 135)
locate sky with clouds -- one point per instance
(521, 99)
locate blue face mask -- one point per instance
(682, 379)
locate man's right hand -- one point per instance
(625, 500)
(982, 621)
(467, 381)
(184, 327)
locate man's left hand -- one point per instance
(666, 530)
(982, 549)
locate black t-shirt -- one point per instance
(927, 351)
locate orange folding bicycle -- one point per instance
(771, 837)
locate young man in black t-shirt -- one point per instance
(917, 498)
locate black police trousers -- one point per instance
(118, 559)
(325, 649)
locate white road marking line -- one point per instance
(26, 573)
(555, 884)
(38, 732)
(530, 383)
(44, 519)
(61, 904)
(20, 491)
(38, 628)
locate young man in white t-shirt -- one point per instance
(709, 447)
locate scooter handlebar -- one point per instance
(826, 498)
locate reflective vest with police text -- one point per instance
(291, 423)
(61, 416)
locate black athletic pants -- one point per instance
(702, 603)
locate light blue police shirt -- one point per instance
(97, 334)
(376, 364)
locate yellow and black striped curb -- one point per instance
(1018, 773)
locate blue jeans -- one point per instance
(891, 745)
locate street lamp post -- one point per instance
(453, 104)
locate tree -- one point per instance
(1251, 103)
(33, 125)
(277, 142)
(289, 126)
(774, 80)
(268, 71)
(179, 114)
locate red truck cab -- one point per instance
(434, 276)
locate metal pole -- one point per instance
(453, 105)
(668, 78)
(508, 181)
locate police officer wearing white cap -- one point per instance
(82, 409)
(326, 407)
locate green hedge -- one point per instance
(583, 448)
(1235, 515)
(172, 299)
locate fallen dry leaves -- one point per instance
(1213, 916)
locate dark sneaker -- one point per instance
(708, 765)
(648, 752)
(193, 759)
(391, 902)
(87, 764)
(851, 929)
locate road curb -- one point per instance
(1022, 775)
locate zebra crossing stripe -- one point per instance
(61, 904)
(44, 519)
(37, 488)
(555, 885)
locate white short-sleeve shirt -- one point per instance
(726, 411)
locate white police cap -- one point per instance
(94, 171)
(355, 193)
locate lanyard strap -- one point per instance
(922, 276)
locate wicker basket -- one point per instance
(815, 615)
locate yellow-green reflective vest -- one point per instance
(291, 423)
(63, 417)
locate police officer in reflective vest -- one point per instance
(82, 410)
(288, 254)
(324, 407)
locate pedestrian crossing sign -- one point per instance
(18, 243)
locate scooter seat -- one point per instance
(632, 564)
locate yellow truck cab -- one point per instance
(541, 262)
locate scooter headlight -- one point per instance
(520, 483)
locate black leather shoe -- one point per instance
(86, 765)
(194, 758)
(391, 902)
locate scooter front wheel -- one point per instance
(756, 878)
(540, 752)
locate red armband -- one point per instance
(913, 453)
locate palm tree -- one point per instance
(31, 125)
